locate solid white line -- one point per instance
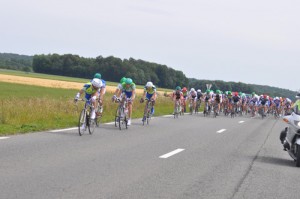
(171, 153)
(221, 131)
(3, 138)
(167, 115)
(60, 130)
(240, 122)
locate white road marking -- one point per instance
(3, 138)
(221, 131)
(109, 123)
(240, 122)
(167, 115)
(60, 130)
(171, 153)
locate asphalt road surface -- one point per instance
(188, 157)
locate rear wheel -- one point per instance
(82, 123)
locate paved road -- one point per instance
(212, 158)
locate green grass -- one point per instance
(25, 108)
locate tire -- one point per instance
(92, 126)
(82, 120)
(298, 156)
(144, 118)
(116, 117)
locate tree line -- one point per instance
(113, 69)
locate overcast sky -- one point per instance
(255, 41)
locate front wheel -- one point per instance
(82, 123)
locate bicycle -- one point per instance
(84, 118)
(121, 114)
(148, 111)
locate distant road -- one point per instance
(190, 157)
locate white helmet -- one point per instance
(97, 83)
(276, 98)
(198, 91)
(149, 84)
(192, 90)
(298, 96)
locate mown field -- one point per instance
(27, 108)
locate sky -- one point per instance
(255, 41)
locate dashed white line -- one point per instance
(171, 153)
(240, 122)
(221, 131)
(3, 138)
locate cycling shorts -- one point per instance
(148, 96)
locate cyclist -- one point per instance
(218, 99)
(118, 89)
(192, 96)
(92, 90)
(276, 102)
(101, 93)
(262, 103)
(207, 100)
(185, 96)
(236, 101)
(128, 90)
(150, 94)
(177, 96)
(296, 105)
(199, 99)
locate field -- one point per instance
(29, 108)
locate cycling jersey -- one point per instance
(149, 91)
(218, 98)
(177, 94)
(128, 90)
(193, 94)
(89, 90)
(236, 99)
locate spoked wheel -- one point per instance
(82, 123)
(92, 125)
(98, 120)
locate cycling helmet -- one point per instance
(97, 83)
(218, 91)
(184, 89)
(149, 84)
(298, 96)
(178, 88)
(229, 93)
(97, 75)
(198, 91)
(207, 91)
(123, 80)
(253, 93)
(192, 90)
(128, 81)
(236, 94)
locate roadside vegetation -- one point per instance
(25, 108)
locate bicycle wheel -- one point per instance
(117, 117)
(82, 122)
(92, 125)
